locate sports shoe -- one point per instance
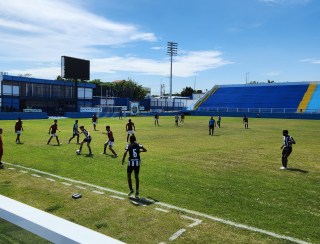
(115, 156)
(1, 165)
(283, 167)
(137, 195)
(130, 192)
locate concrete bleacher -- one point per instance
(314, 103)
(265, 97)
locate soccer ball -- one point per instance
(78, 152)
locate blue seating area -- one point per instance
(257, 96)
(314, 103)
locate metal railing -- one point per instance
(257, 110)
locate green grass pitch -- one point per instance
(233, 175)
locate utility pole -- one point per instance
(172, 50)
(247, 77)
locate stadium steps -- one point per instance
(306, 98)
(314, 103)
(205, 97)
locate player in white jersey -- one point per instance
(75, 132)
(134, 161)
(87, 139)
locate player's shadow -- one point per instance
(298, 170)
(20, 143)
(141, 201)
(89, 155)
(108, 155)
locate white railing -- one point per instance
(257, 110)
(48, 226)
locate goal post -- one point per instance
(111, 111)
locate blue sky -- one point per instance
(219, 41)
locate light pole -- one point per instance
(247, 77)
(172, 50)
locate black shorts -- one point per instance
(88, 140)
(286, 151)
(136, 169)
(211, 127)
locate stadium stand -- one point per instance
(306, 98)
(314, 103)
(275, 97)
(205, 97)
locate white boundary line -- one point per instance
(117, 197)
(162, 210)
(207, 216)
(98, 192)
(177, 234)
(195, 221)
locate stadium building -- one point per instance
(55, 97)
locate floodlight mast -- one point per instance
(172, 50)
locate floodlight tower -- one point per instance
(172, 50)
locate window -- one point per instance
(85, 93)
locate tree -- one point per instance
(187, 92)
(123, 89)
(59, 77)
(129, 89)
(96, 81)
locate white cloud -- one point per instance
(36, 29)
(157, 48)
(311, 61)
(186, 65)
(36, 33)
(273, 73)
(285, 2)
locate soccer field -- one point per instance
(233, 175)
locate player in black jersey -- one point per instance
(87, 139)
(134, 161)
(245, 122)
(75, 132)
(286, 148)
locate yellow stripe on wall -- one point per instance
(306, 98)
(213, 90)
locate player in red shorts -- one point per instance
(110, 142)
(53, 131)
(130, 128)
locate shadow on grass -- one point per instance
(298, 170)
(108, 155)
(141, 201)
